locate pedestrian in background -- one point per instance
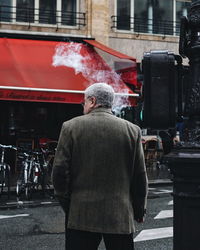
(99, 175)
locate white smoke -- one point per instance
(69, 55)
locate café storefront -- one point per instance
(42, 84)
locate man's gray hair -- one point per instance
(103, 93)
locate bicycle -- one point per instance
(48, 149)
(5, 170)
(32, 174)
(22, 181)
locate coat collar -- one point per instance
(106, 110)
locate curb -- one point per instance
(31, 204)
(27, 204)
(15, 203)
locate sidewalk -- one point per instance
(159, 175)
(156, 176)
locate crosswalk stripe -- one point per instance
(155, 233)
(164, 214)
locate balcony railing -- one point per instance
(149, 26)
(39, 16)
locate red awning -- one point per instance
(49, 71)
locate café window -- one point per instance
(63, 12)
(150, 16)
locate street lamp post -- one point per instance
(184, 161)
(189, 46)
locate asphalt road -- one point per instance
(41, 227)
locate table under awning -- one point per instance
(50, 71)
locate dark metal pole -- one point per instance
(179, 84)
(190, 47)
(184, 162)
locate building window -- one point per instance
(5, 10)
(47, 11)
(69, 12)
(62, 12)
(25, 11)
(156, 16)
(151, 16)
(123, 14)
(182, 9)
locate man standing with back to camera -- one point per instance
(99, 175)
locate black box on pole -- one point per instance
(159, 90)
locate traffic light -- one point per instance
(159, 90)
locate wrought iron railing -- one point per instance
(39, 16)
(149, 26)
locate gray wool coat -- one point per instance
(99, 171)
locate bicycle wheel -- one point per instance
(28, 180)
(5, 179)
(20, 183)
(18, 189)
(27, 186)
(2, 178)
(28, 192)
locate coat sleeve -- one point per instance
(139, 185)
(61, 166)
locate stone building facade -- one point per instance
(99, 20)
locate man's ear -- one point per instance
(93, 101)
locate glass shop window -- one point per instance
(123, 14)
(47, 11)
(5, 10)
(25, 11)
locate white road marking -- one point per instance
(164, 214)
(155, 233)
(13, 216)
(171, 202)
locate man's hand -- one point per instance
(141, 219)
